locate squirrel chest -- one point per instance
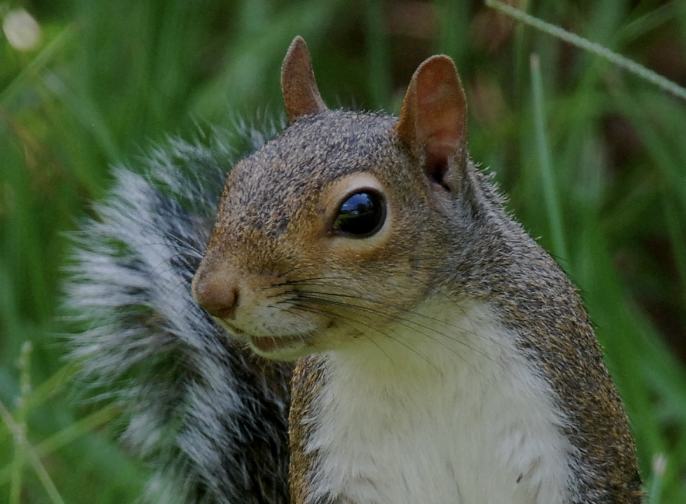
(440, 411)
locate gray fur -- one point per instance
(210, 418)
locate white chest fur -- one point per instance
(442, 410)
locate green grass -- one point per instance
(592, 157)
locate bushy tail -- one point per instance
(208, 416)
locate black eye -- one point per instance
(361, 215)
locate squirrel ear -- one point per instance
(299, 88)
(434, 116)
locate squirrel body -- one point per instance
(438, 354)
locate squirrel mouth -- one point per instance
(269, 344)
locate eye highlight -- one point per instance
(361, 214)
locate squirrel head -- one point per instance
(341, 222)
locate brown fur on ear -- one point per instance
(433, 118)
(299, 88)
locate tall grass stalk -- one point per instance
(549, 185)
(592, 47)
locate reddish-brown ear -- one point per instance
(433, 118)
(300, 93)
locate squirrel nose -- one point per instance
(216, 297)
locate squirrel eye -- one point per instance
(361, 215)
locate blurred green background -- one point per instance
(102, 81)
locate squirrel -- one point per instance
(355, 319)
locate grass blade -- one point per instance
(552, 202)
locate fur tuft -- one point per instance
(207, 415)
